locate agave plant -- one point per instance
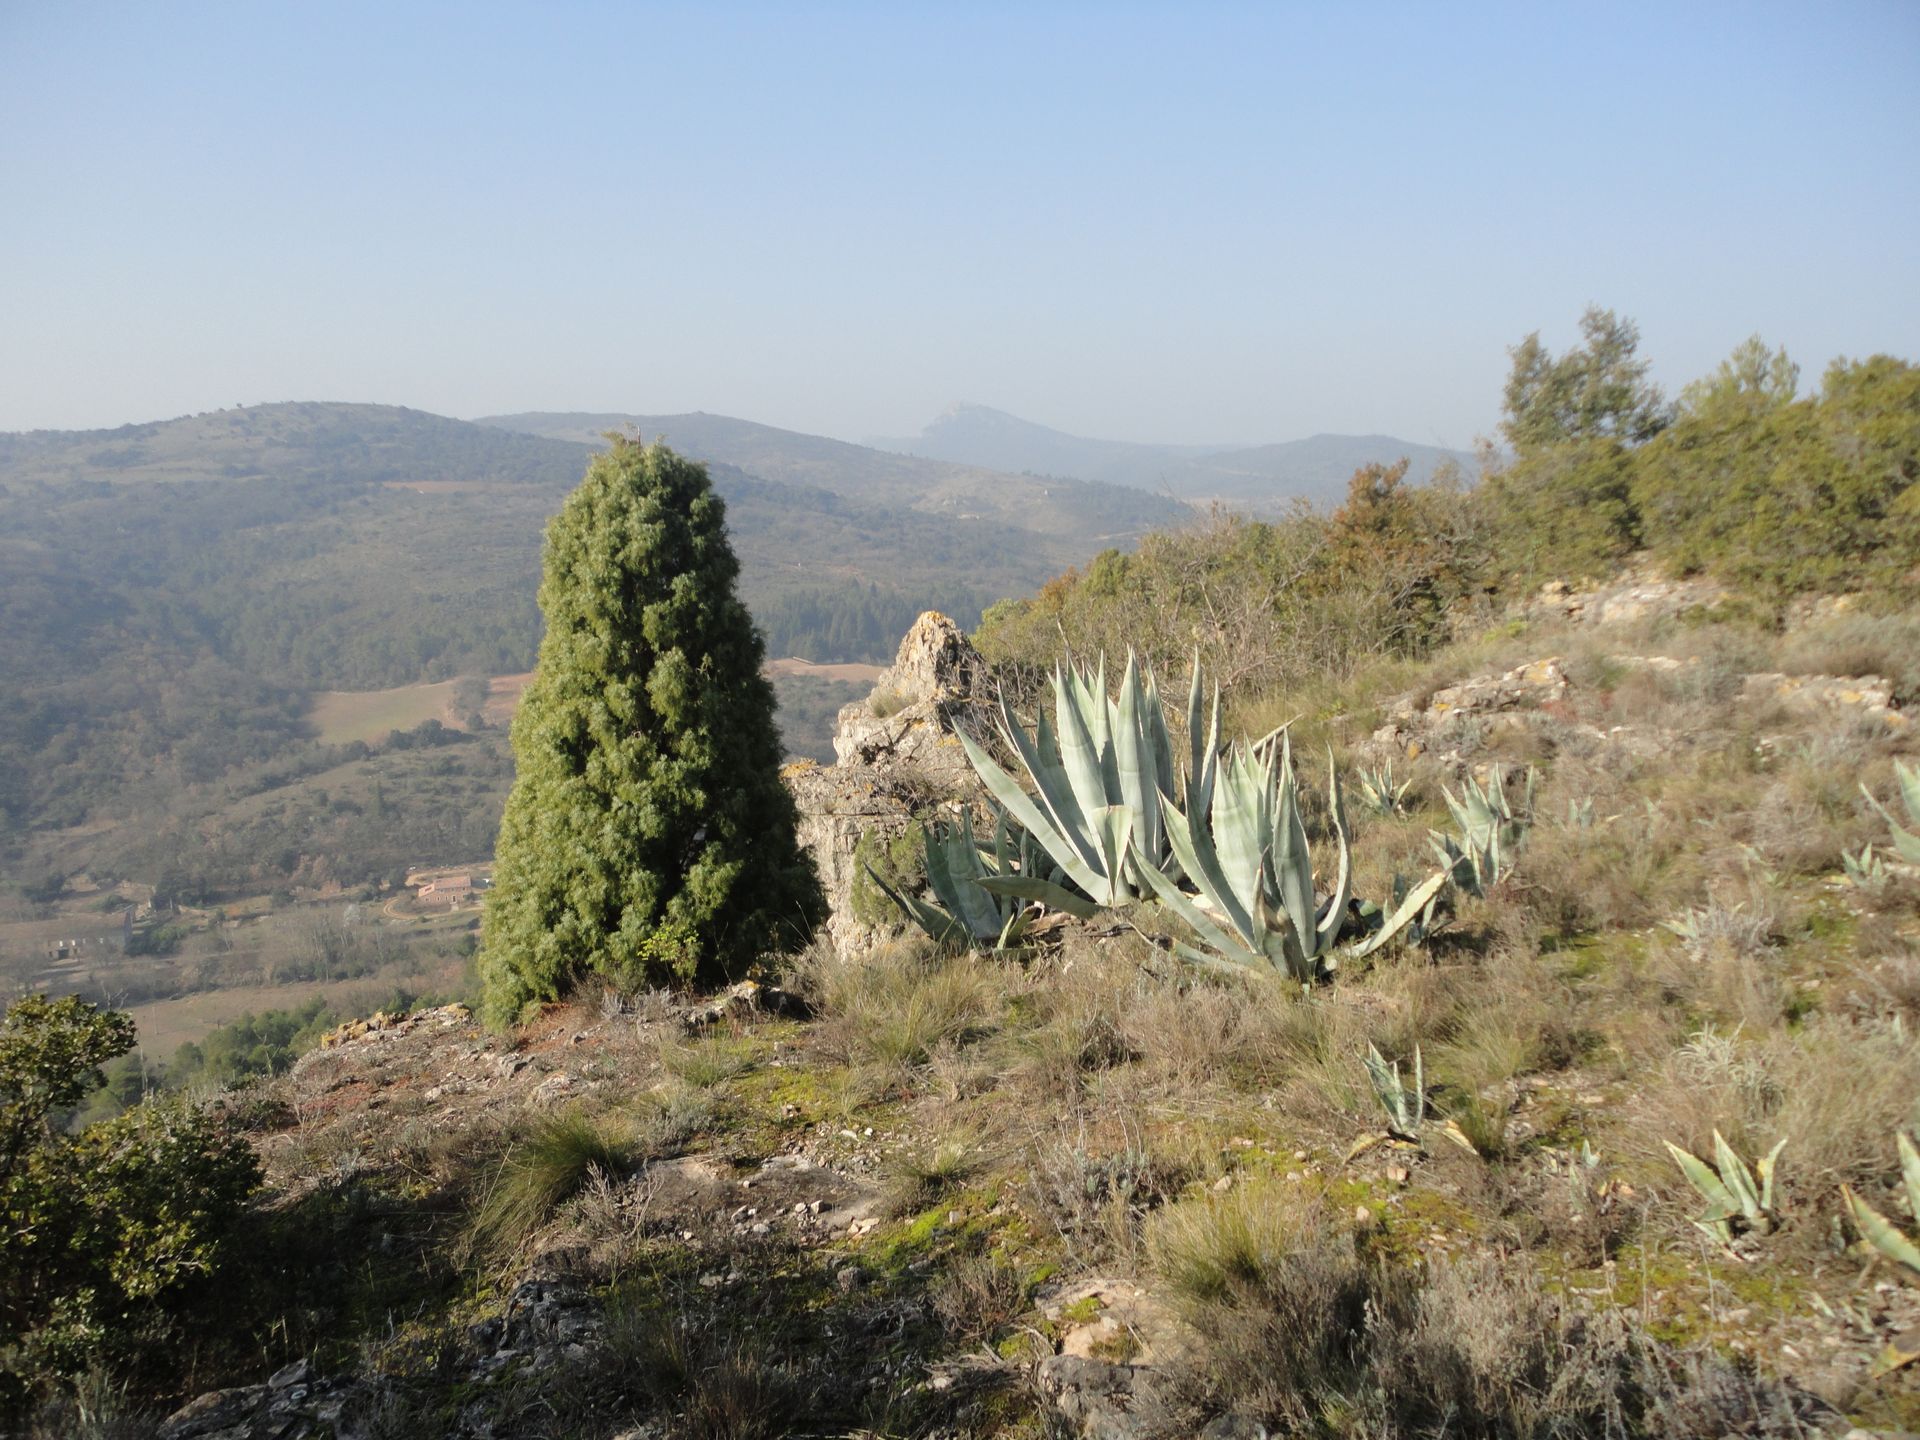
(1490, 832)
(1878, 1231)
(1865, 871)
(1406, 1108)
(1379, 790)
(1906, 843)
(986, 897)
(1098, 772)
(1248, 858)
(1735, 1193)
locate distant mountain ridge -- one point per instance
(1069, 510)
(1261, 477)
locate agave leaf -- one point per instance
(1737, 1178)
(1419, 1088)
(1060, 849)
(1113, 824)
(1193, 848)
(1335, 914)
(1134, 757)
(1417, 899)
(1280, 941)
(1292, 856)
(1906, 844)
(1032, 887)
(1015, 929)
(937, 923)
(1232, 960)
(1204, 753)
(1065, 827)
(1880, 1232)
(1080, 751)
(1720, 1201)
(1908, 778)
(1764, 1167)
(1236, 946)
(1237, 839)
(1158, 741)
(953, 865)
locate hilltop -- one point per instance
(1260, 477)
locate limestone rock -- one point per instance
(938, 682)
(1639, 594)
(1868, 698)
(1099, 1401)
(1414, 727)
(1109, 1380)
(898, 758)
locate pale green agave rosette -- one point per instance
(1735, 1193)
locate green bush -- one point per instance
(110, 1231)
(1786, 496)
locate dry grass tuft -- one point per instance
(557, 1157)
(709, 1061)
(923, 1177)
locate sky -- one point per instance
(1194, 223)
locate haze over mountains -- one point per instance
(1256, 477)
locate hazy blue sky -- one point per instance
(1184, 222)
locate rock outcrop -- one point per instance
(898, 756)
(1867, 699)
(1419, 723)
(1638, 594)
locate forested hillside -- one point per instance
(172, 594)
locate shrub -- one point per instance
(110, 1231)
(900, 863)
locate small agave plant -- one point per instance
(986, 896)
(1735, 1194)
(1406, 1108)
(1378, 788)
(1865, 871)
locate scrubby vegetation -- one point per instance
(114, 1232)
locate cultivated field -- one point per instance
(166, 1025)
(343, 716)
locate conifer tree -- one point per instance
(648, 837)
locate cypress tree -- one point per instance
(648, 837)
